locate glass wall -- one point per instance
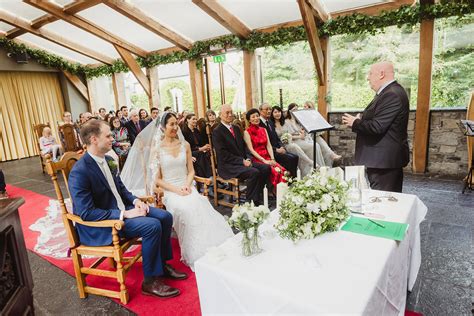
(453, 63)
(352, 55)
(289, 69)
(175, 87)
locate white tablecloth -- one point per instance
(336, 273)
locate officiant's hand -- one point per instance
(134, 212)
(348, 119)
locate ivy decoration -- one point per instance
(355, 24)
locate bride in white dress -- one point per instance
(198, 225)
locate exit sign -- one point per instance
(218, 59)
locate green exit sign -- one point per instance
(218, 59)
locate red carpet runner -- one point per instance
(185, 304)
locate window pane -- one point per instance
(351, 57)
(291, 69)
(453, 63)
(175, 88)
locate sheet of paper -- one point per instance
(362, 225)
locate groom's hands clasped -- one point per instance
(141, 209)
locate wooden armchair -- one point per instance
(233, 184)
(114, 253)
(69, 137)
(37, 133)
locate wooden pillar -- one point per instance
(207, 61)
(118, 84)
(196, 77)
(420, 140)
(323, 87)
(154, 97)
(93, 106)
(251, 79)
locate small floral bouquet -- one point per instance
(112, 166)
(312, 206)
(246, 217)
(286, 138)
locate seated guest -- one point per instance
(297, 143)
(330, 157)
(99, 194)
(48, 144)
(143, 114)
(154, 113)
(79, 119)
(134, 126)
(260, 147)
(86, 116)
(233, 160)
(211, 119)
(121, 143)
(182, 119)
(67, 119)
(119, 114)
(102, 114)
(287, 160)
(3, 186)
(201, 126)
(199, 149)
(124, 118)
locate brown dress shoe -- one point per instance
(170, 272)
(159, 288)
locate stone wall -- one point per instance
(447, 148)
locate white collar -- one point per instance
(264, 120)
(228, 126)
(97, 159)
(384, 86)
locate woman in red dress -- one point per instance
(256, 138)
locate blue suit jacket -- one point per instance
(93, 200)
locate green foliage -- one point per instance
(355, 24)
(140, 101)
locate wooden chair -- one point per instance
(114, 253)
(233, 184)
(37, 133)
(70, 139)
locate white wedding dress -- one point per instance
(198, 225)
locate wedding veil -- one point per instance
(139, 171)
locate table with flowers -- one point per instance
(338, 272)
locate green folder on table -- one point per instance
(377, 228)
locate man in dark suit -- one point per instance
(98, 194)
(381, 143)
(134, 126)
(232, 157)
(286, 159)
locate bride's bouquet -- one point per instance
(248, 217)
(312, 206)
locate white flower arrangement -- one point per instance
(312, 206)
(248, 215)
(286, 138)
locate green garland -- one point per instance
(355, 24)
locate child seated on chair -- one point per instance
(48, 144)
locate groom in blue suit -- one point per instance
(98, 194)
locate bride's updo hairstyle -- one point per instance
(165, 118)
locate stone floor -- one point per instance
(445, 284)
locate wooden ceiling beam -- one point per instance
(224, 17)
(72, 8)
(11, 19)
(313, 39)
(374, 9)
(78, 84)
(134, 68)
(54, 9)
(135, 14)
(318, 10)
